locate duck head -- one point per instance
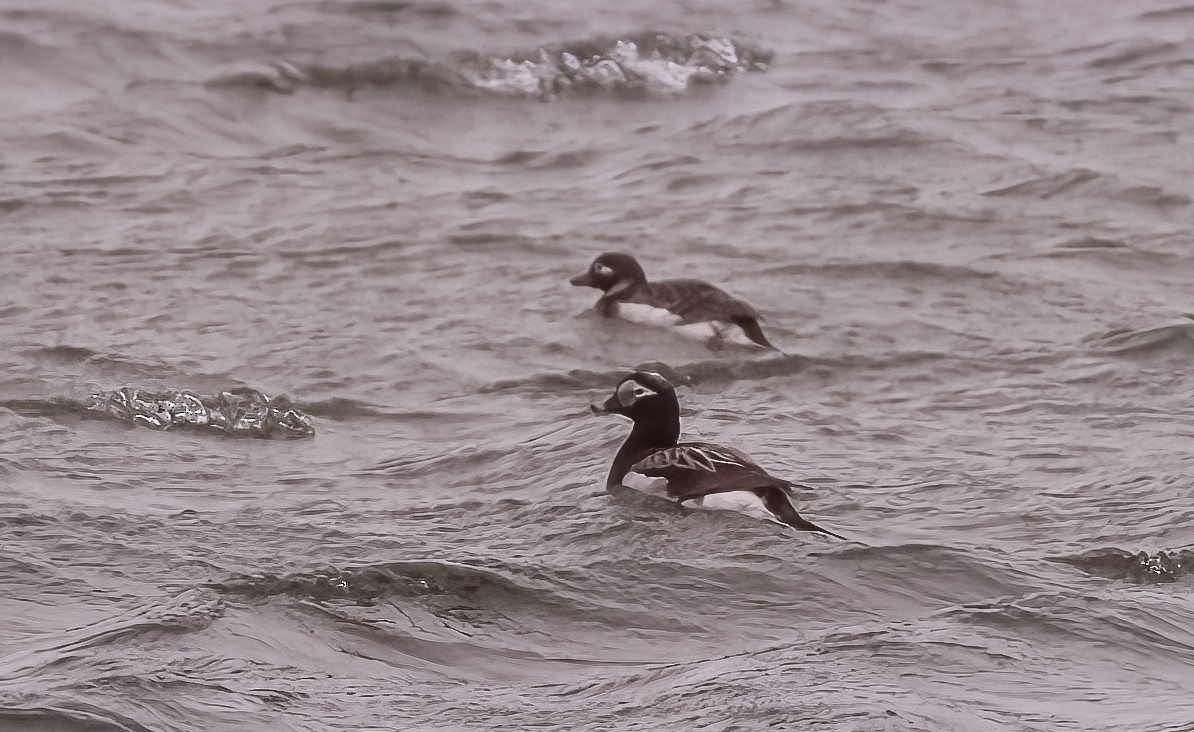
(613, 273)
(650, 401)
(643, 394)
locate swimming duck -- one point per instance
(693, 308)
(697, 473)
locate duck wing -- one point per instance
(698, 469)
(695, 301)
(695, 469)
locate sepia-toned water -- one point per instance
(969, 228)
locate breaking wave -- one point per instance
(241, 412)
(1140, 567)
(643, 64)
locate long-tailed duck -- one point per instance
(699, 473)
(693, 308)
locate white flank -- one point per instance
(741, 501)
(720, 331)
(645, 484)
(709, 330)
(647, 315)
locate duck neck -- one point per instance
(608, 303)
(647, 436)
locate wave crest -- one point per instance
(368, 584)
(1140, 567)
(645, 63)
(242, 412)
(642, 64)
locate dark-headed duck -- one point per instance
(693, 308)
(697, 473)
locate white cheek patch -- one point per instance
(630, 392)
(647, 315)
(619, 287)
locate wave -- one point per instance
(788, 364)
(38, 684)
(684, 374)
(1169, 14)
(73, 715)
(241, 411)
(819, 127)
(433, 467)
(1136, 54)
(342, 408)
(1083, 182)
(714, 370)
(429, 606)
(237, 411)
(106, 365)
(188, 611)
(556, 381)
(1155, 632)
(638, 65)
(368, 584)
(888, 270)
(1178, 334)
(1140, 567)
(387, 7)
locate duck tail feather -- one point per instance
(777, 502)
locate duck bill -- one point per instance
(584, 279)
(611, 406)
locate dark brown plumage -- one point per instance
(622, 280)
(693, 470)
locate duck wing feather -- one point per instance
(696, 469)
(695, 301)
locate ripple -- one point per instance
(188, 611)
(1077, 183)
(1178, 334)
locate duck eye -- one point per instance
(602, 269)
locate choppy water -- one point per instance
(968, 225)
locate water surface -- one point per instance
(967, 225)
